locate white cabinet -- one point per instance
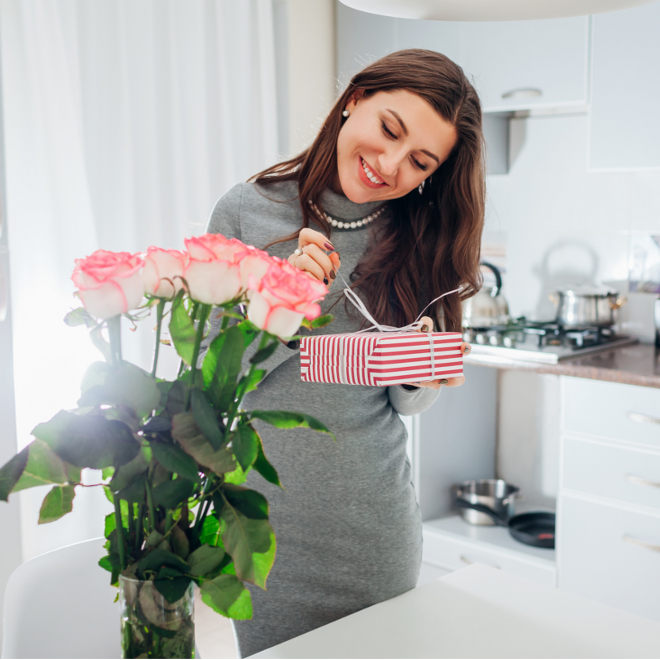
(610, 553)
(528, 64)
(514, 64)
(625, 132)
(608, 516)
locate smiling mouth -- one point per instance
(370, 175)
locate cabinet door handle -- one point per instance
(467, 561)
(641, 418)
(523, 93)
(640, 481)
(641, 544)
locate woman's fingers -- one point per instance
(308, 236)
(322, 259)
(427, 324)
(465, 348)
(441, 382)
(307, 264)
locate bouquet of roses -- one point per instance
(173, 455)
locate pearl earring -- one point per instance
(345, 113)
(420, 189)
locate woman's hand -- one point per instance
(427, 326)
(312, 258)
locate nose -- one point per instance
(389, 162)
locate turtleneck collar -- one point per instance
(340, 207)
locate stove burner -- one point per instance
(540, 334)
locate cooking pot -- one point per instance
(582, 306)
(488, 307)
(496, 494)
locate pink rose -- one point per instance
(109, 283)
(163, 270)
(213, 276)
(214, 246)
(254, 264)
(283, 298)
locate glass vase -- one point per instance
(152, 627)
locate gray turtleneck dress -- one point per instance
(348, 527)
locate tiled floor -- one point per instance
(213, 633)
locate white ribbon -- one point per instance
(415, 325)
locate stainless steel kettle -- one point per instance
(488, 307)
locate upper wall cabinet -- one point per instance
(625, 97)
(514, 65)
(528, 64)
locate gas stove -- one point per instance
(538, 341)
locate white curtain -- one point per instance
(124, 121)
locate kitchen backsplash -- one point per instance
(562, 224)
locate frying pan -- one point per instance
(535, 528)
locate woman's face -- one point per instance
(390, 143)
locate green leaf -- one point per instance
(88, 440)
(176, 398)
(211, 533)
(249, 502)
(107, 473)
(227, 595)
(237, 476)
(245, 444)
(250, 381)
(188, 435)
(11, 472)
(126, 385)
(221, 367)
(153, 539)
(171, 584)
(249, 331)
(173, 493)
(205, 559)
(263, 354)
(79, 316)
(245, 537)
(158, 558)
(111, 563)
(182, 329)
(206, 418)
(57, 503)
(44, 466)
(156, 425)
(283, 419)
(264, 468)
(322, 321)
(180, 542)
(135, 492)
(130, 472)
(175, 460)
(99, 342)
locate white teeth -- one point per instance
(369, 173)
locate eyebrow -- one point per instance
(405, 130)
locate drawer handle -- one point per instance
(467, 561)
(641, 418)
(524, 93)
(640, 481)
(641, 544)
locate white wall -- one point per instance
(311, 69)
(560, 224)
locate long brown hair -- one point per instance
(431, 244)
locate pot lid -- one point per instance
(589, 290)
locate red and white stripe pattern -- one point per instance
(381, 358)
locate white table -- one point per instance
(480, 612)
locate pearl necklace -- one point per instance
(351, 224)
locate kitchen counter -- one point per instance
(638, 364)
(480, 612)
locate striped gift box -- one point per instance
(381, 358)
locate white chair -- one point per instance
(61, 605)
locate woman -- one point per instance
(394, 186)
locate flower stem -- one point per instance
(159, 315)
(120, 534)
(202, 316)
(150, 502)
(114, 331)
(140, 527)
